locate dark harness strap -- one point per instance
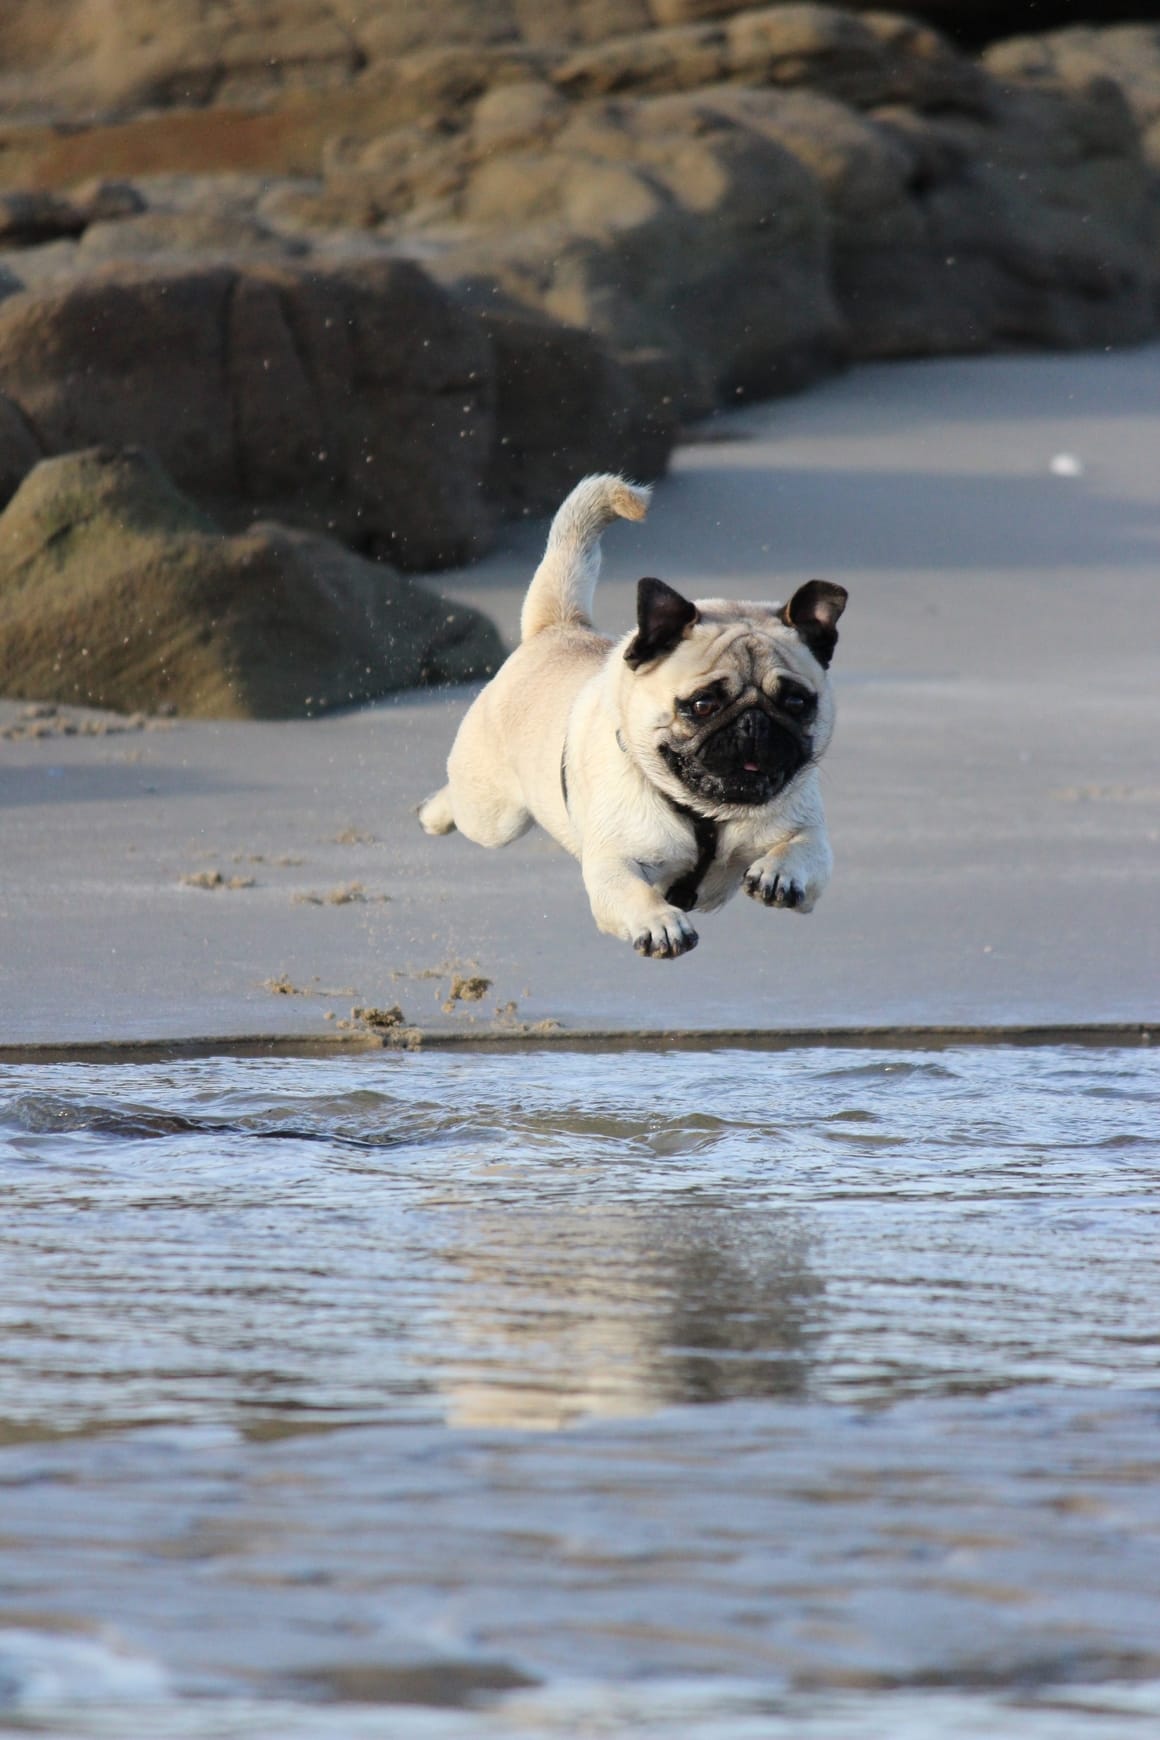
(686, 888)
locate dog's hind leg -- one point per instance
(435, 813)
(489, 817)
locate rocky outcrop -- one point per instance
(116, 591)
(360, 400)
(1035, 224)
(465, 252)
(80, 57)
(758, 197)
(864, 61)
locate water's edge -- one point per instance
(1094, 1035)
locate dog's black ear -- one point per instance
(662, 616)
(814, 610)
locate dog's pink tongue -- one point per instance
(752, 767)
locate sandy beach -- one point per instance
(993, 791)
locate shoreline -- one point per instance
(1125, 1035)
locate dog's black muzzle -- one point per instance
(755, 745)
(748, 759)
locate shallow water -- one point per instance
(700, 1394)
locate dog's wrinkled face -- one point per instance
(731, 700)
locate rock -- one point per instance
(863, 61)
(26, 268)
(726, 199)
(564, 408)
(85, 57)
(19, 451)
(1075, 60)
(943, 236)
(157, 53)
(116, 591)
(154, 234)
(760, 234)
(812, 186)
(356, 400)
(1080, 240)
(666, 12)
(29, 218)
(663, 225)
(76, 59)
(98, 201)
(516, 115)
(658, 61)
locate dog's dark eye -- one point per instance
(704, 707)
(796, 703)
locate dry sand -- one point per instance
(993, 788)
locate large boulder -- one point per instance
(356, 400)
(1033, 224)
(116, 591)
(565, 407)
(663, 225)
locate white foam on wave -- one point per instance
(46, 1669)
(666, 1709)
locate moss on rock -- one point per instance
(116, 591)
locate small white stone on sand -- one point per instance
(1066, 465)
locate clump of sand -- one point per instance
(466, 990)
(215, 879)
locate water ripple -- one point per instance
(434, 1377)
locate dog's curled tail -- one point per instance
(563, 584)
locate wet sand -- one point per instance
(992, 790)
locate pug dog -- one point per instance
(678, 765)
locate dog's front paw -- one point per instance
(792, 882)
(774, 887)
(665, 937)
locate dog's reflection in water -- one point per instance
(616, 1314)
